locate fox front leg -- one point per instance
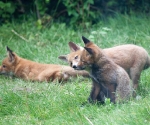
(94, 92)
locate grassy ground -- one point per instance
(27, 103)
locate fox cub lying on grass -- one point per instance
(132, 58)
(108, 79)
(29, 70)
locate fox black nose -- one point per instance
(74, 66)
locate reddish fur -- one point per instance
(132, 58)
(34, 71)
(108, 78)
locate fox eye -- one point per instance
(76, 57)
(71, 64)
(83, 61)
(4, 66)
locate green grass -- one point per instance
(26, 103)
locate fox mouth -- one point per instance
(79, 68)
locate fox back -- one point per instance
(132, 58)
(29, 70)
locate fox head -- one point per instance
(8, 63)
(89, 56)
(74, 56)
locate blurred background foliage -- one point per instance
(73, 12)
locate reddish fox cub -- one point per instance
(29, 70)
(108, 79)
(132, 58)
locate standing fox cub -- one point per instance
(108, 79)
(130, 57)
(29, 70)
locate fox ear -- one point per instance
(11, 55)
(90, 51)
(8, 49)
(63, 57)
(74, 47)
(85, 40)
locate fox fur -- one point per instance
(108, 79)
(29, 70)
(132, 58)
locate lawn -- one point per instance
(33, 103)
